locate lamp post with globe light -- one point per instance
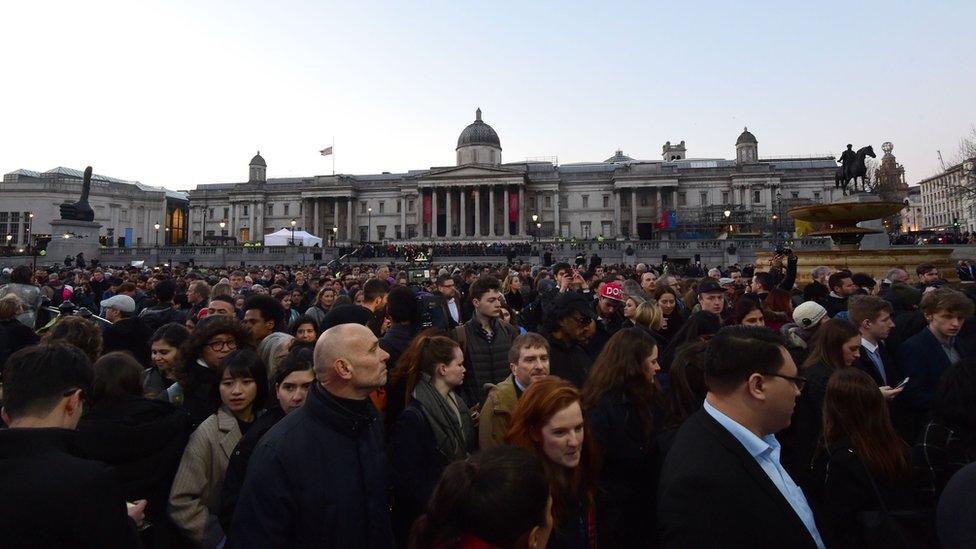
(335, 235)
(156, 226)
(369, 222)
(293, 223)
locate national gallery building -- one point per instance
(483, 198)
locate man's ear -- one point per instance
(535, 538)
(343, 368)
(756, 386)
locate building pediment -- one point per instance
(473, 171)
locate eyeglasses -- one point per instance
(218, 345)
(800, 382)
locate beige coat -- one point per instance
(496, 414)
(195, 495)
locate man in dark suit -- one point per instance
(722, 484)
(929, 353)
(872, 316)
(842, 287)
(454, 311)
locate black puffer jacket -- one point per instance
(484, 362)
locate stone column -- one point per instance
(259, 206)
(657, 204)
(350, 210)
(316, 206)
(250, 221)
(403, 217)
(462, 211)
(633, 212)
(335, 214)
(521, 211)
(507, 212)
(232, 222)
(433, 213)
(448, 212)
(617, 222)
(477, 212)
(555, 213)
(491, 210)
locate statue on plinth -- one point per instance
(81, 210)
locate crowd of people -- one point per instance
(512, 405)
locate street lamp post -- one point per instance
(293, 223)
(10, 240)
(30, 240)
(369, 222)
(335, 235)
(156, 226)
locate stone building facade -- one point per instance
(482, 198)
(944, 202)
(127, 210)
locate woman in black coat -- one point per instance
(433, 430)
(835, 346)
(140, 439)
(19, 335)
(624, 411)
(862, 457)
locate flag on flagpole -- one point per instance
(326, 151)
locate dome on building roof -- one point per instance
(746, 137)
(258, 160)
(478, 133)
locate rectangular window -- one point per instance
(362, 207)
(210, 213)
(585, 228)
(532, 202)
(586, 201)
(795, 195)
(398, 231)
(563, 201)
(756, 197)
(606, 227)
(286, 209)
(381, 231)
(270, 209)
(643, 200)
(606, 201)
(245, 210)
(399, 208)
(410, 205)
(382, 205)
(725, 197)
(703, 198)
(548, 202)
(682, 199)
(816, 196)
(124, 216)
(226, 213)
(624, 200)
(363, 234)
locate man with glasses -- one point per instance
(729, 450)
(50, 496)
(567, 326)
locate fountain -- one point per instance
(851, 250)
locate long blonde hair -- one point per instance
(649, 314)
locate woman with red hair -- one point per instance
(548, 421)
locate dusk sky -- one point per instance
(181, 93)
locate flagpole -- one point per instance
(333, 155)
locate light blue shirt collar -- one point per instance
(753, 444)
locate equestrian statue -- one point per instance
(852, 167)
(81, 210)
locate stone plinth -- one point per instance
(874, 262)
(83, 238)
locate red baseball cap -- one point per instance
(612, 290)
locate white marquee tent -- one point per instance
(284, 238)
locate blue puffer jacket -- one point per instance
(317, 479)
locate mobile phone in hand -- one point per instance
(903, 383)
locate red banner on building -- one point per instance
(513, 211)
(428, 208)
